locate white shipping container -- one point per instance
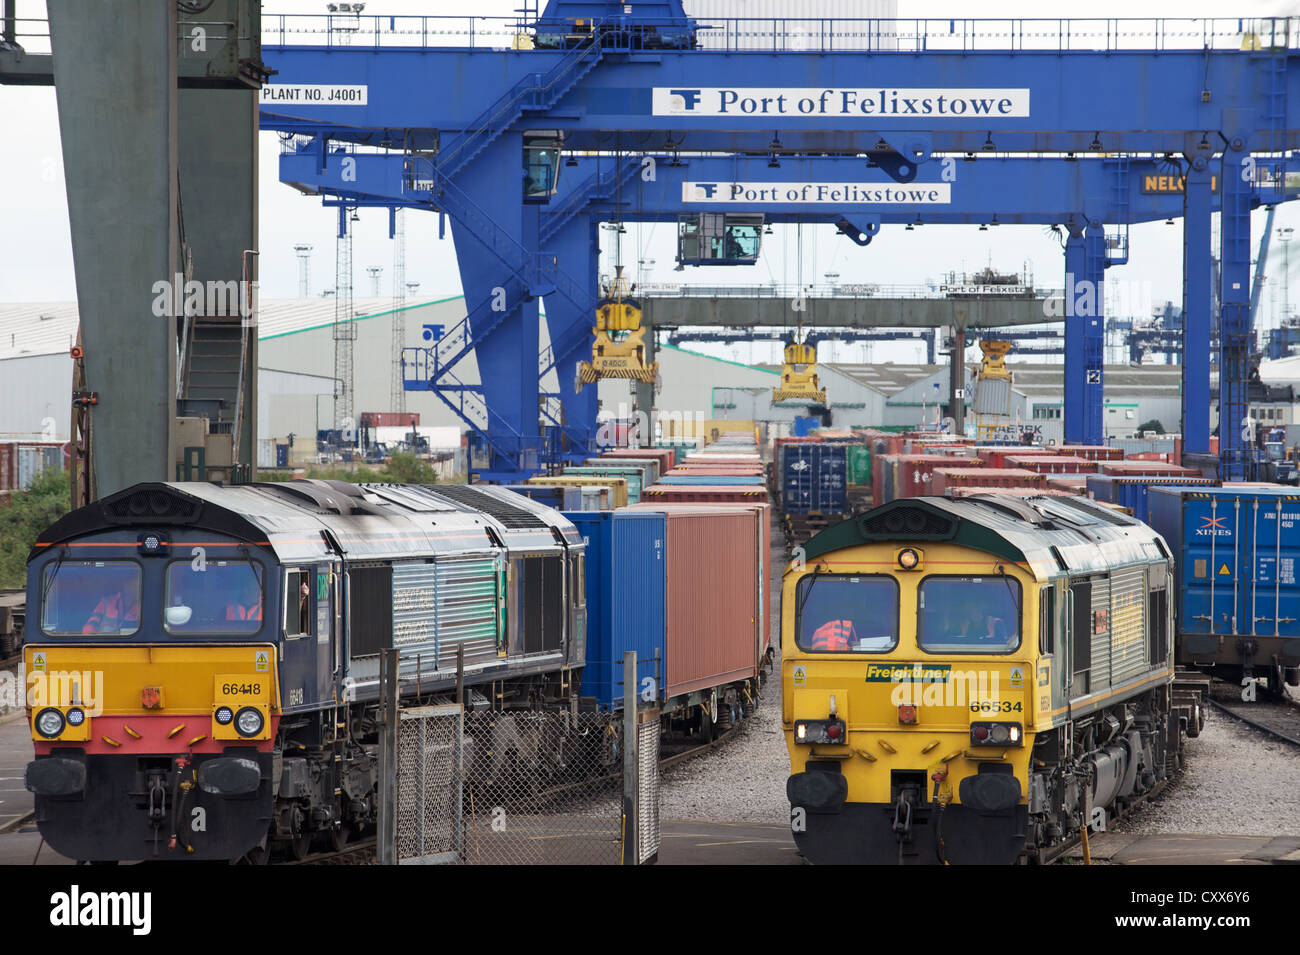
(807, 25)
(266, 452)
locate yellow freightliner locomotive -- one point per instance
(972, 680)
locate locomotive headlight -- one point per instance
(909, 558)
(49, 723)
(249, 721)
(224, 715)
(76, 716)
(825, 732)
(996, 734)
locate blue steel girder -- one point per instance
(1014, 190)
(1237, 457)
(1134, 101)
(1198, 298)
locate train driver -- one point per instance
(249, 604)
(842, 615)
(968, 624)
(114, 612)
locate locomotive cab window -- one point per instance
(968, 614)
(91, 597)
(580, 580)
(297, 602)
(213, 597)
(839, 613)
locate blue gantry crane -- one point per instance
(612, 89)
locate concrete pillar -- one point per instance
(115, 83)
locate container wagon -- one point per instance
(1236, 551)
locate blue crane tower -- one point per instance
(481, 130)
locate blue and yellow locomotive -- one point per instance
(203, 659)
(975, 680)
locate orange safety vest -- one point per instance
(110, 614)
(237, 612)
(833, 636)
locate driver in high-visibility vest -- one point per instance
(249, 606)
(833, 636)
(113, 612)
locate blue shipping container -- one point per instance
(562, 498)
(814, 478)
(626, 569)
(711, 480)
(1236, 552)
(1131, 492)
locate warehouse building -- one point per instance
(296, 379)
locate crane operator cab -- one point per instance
(716, 238)
(541, 164)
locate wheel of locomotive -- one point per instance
(339, 836)
(1197, 721)
(300, 846)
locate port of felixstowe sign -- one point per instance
(756, 101)
(812, 193)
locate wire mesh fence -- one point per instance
(647, 785)
(543, 788)
(518, 787)
(430, 752)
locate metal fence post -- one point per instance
(386, 838)
(631, 829)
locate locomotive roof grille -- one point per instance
(512, 517)
(914, 522)
(154, 503)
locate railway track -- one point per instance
(1278, 718)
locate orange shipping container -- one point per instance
(945, 478)
(1093, 452)
(715, 580)
(1052, 464)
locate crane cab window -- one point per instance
(968, 614)
(213, 597)
(841, 613)
(91, 597)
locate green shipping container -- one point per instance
(859, 464)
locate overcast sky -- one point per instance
(36, 252)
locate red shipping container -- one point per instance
(705, 493)
(715, 578)
(1149, 456)
(763, 516)
(946, 477)
(996, 457)
(1093, 452)
(913, 472)
(663, 455)
(1052, 464)
(1147, 469)
(389, 419)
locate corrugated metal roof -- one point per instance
(49, 328)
